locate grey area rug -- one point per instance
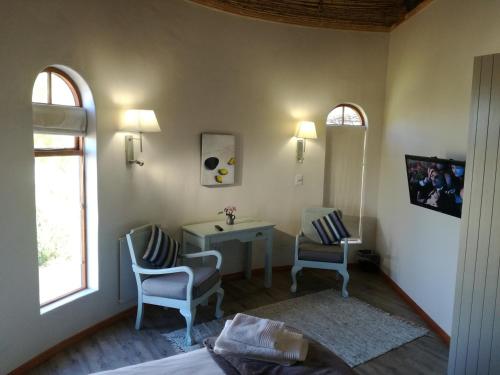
(352, 329)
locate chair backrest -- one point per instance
(137, 241)
(308, 215)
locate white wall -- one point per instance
(427, 113)
(200, 70)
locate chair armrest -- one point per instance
(298, 239)
(346, 248)
(201, 254)
(161, 271)
(166, 271)
(301, 237)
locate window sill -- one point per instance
(66, 300)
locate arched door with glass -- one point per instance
(344, 165)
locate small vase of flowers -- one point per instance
(230, 216)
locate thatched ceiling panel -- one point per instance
(371, 15)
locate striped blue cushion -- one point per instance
(162, 250)
(330, 228)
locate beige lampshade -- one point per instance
(140, 120)
(306, 130)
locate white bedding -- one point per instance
(197, 362)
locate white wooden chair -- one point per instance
(311, 253)
(181, 287)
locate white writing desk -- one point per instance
(204, 235)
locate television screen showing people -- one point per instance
(435, 183)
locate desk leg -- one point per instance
(205, 247)
(184, 244)
(248, 265)
(269, 261)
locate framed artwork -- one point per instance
(217, 159)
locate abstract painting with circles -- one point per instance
(217, 159)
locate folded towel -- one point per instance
(284, 339)
(292, 348)
(255, 331)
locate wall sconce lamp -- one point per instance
(305, 130)
(137, 121)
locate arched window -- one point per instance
(53, 86)
(345, 114)
(344, 164)
(59, 129)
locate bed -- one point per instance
(320, 361)
(197, 362)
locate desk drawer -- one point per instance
(254, 235)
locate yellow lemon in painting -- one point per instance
(218, 179)
(232, 161)
(223, 171)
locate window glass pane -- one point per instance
(40, 89)
(51, 141)
(59, 226)
(335, 117)
(61, 93)
(352, 117)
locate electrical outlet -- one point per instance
(299, 179)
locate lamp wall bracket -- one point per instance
(130, 151)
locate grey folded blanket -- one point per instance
(319, 361)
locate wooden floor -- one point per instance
(120, 345)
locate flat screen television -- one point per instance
(437, 184)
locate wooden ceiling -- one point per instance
(367, 15)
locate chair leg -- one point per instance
(345, 276)
(140, 311)
(189, 314)
(220, 295)
(295, 270)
